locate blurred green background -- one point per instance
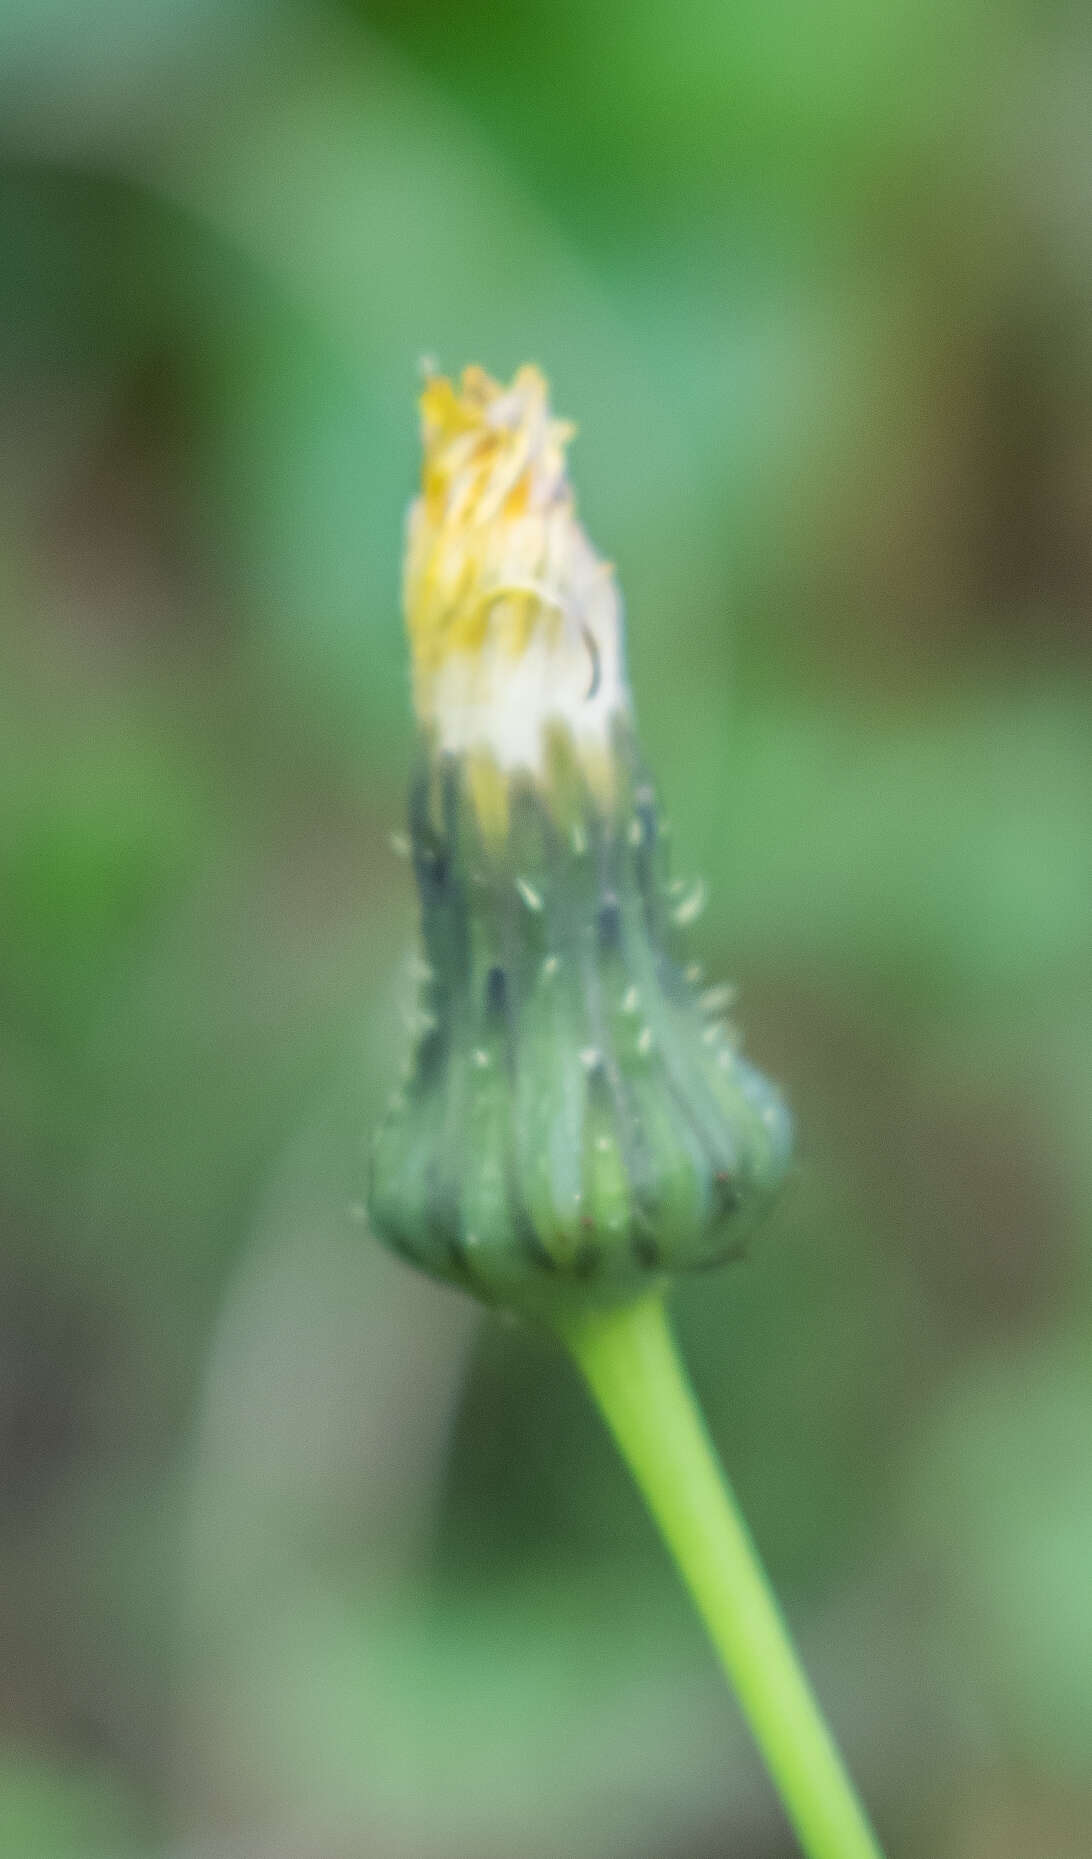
(299, 1558)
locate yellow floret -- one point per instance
(494, 495)
(514, 619)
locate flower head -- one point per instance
(515, 621)
(577, 1118)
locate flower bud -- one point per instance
(577, 1119)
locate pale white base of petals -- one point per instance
(503, 703)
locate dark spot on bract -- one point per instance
(609, 922)
(725, 1191)
(496, 991)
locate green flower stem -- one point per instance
(629, 1359)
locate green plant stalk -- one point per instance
(628, 1356)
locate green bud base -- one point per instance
(577, 1121)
